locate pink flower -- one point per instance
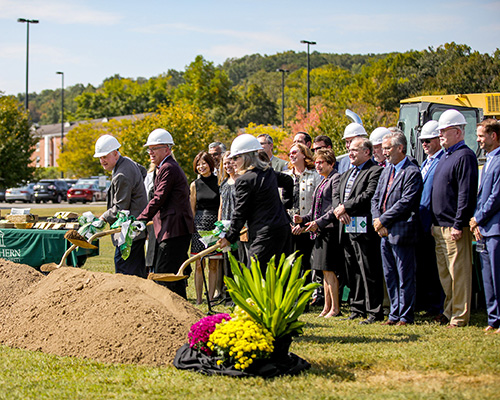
(200, 332)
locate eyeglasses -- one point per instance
(318, 148)
(155, 149)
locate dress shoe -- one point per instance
(488, 329)
(389, 322)
(441, 319)
(367, 321)
(352, 316)
(402, 323)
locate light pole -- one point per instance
(28, 22)
(62, 114)
(308, 69)
(282, 96)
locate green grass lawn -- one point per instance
(349, 361)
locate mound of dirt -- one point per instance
(105, 317)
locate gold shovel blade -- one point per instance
(166, 277)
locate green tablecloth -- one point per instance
(36, 247)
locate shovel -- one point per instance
(78, 240)
(169, 277)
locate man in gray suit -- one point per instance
(126, 192)
(266, 141)
(395, 207)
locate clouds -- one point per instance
(93, 39)
(57, 11)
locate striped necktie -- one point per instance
(427, 166)
(350, 183)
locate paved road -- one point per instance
(63, 205)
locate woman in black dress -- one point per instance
(328, 256)
(205, 201)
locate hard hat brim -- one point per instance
(428, 137)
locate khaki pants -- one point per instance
(454, 260)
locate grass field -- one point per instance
(349, 361)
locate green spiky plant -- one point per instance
(277, 301)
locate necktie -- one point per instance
(389, 184)
(153, 186)
(426, 167)
(350, 183)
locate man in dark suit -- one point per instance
(351, 202)
(169, 209)
(486, 221)
(430, 295)
(351, 131)
(395, 218)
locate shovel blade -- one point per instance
(166, 277)
(78, 240)
(49, 267)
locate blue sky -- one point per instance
(90, 40)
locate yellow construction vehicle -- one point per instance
(416, 111)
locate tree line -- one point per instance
(245, 93)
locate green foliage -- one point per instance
(280, 137)
(206, 87)
(190, 127)
(275, 302)
(46, 173)
(17, 144)
(248, 89)
(121, 96)
(254, 106)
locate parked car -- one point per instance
(54, 190)
(71, 182)
(25, 194)
(84, 191)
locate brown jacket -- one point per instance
(170, 208)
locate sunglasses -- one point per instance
(318, 148)
(426, 141)
(293, 152)
(155, 149)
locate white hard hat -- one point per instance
(451, 118)
(244, 143)
(378, 134)
(159, 136)
(430, 130)
(105, 145)
(354, 129)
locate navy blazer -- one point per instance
(487, 212)
(359, 202)
(425, 200)
(403, 200)
(327, 218)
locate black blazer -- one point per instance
(258, 203)
(359, 202)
